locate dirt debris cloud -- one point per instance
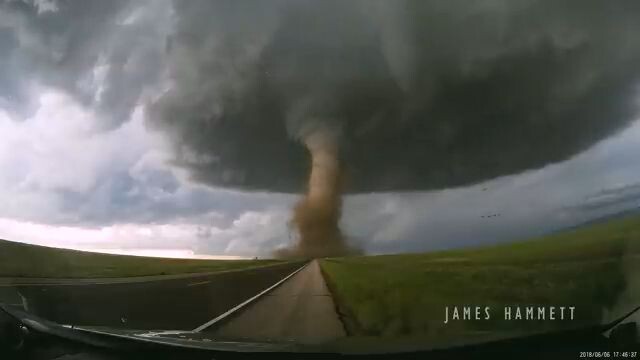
(316, 216)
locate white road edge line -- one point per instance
(246, 302)
(199, 283)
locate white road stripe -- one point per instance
(246, 302)
(199, 283)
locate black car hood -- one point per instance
(124, 339)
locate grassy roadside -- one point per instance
(23, 260)
(406, 295)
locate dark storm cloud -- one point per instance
(627, 195)
(88, 48)
(422, 94)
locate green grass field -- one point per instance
(406, 295)
(22, 260)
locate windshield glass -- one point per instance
(368, 174)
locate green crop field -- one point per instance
(22, 260)
(406, 295)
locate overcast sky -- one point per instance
(80, 168)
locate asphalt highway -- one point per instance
(301, 309)
(170, 303)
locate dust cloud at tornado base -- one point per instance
(316, 216)
(415, 95)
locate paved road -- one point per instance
(300, 309)
(182, 303)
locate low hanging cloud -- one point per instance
(599, 184)
(421, 94)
